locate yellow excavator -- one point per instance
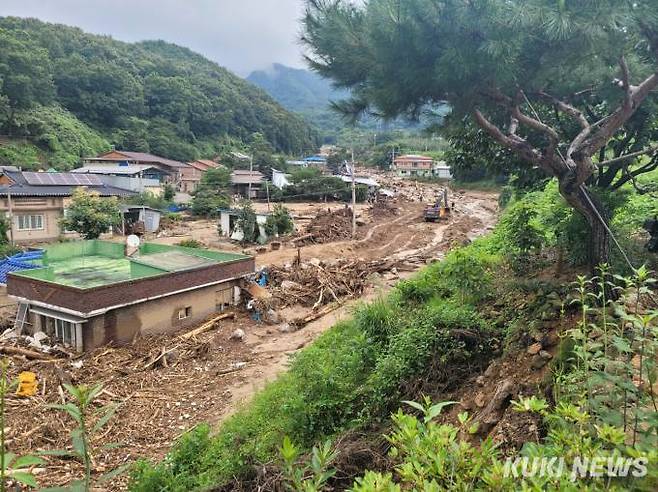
(440, 210)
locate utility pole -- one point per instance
(353, 198)
(251, 171)
(11, 218)
(267, 187)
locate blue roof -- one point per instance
(21, 261)
(315, 158)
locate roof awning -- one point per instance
(51, 313)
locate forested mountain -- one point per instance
(303, 92)
(296, 89)
(310, 95)
(148, 96)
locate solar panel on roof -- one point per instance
(62, 179)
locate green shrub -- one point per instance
(279, 223)
(190, 243)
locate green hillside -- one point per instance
(150, 96)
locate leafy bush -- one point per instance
(279, 223)
(521, 234)
(190, 243)
(246, 221)
(207, 202)
(148, 199)
(90, 215)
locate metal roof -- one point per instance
(240, 176)
(413, 157)
(204, 164)
(359, 180)
(130, 170)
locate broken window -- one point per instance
(61, 331)
(185, 312)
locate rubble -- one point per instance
(327, 226)
(154, 381)
(238, 335)
(315, 284)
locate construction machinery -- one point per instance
(440, 210)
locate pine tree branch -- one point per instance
(513, 142)
(634, 96)
(651, 150)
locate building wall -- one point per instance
(51, 209)
(89, 300)
(414, 172)
(157, 316)
(410, 164)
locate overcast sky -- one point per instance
(242, 35)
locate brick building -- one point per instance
(88, 293)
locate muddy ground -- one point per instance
(204, 379)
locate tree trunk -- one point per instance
(599, 243)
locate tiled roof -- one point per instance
(240, 176)
(144, 157)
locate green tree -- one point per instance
(25, 73)
(279, 222)
(218, 178)
(168, 193)
(90, 215)
(498, 62)
(247, 221)
(211, 195)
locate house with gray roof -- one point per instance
(35, 202)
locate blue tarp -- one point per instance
(21, 261)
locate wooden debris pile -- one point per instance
(315, 284)
(327, 226)
(162, 385)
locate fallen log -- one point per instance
(300, 322)
(30, 354)
(207, 326)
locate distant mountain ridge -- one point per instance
(296, 89)
(310, 95)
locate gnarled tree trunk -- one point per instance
(598, 251)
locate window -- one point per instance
(185, 312)
(61, 331)
(30, 222)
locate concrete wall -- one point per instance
(158, 316)
(52, 210)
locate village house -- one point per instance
(35, 202)
(139, 178)
(421, 166)
(172, 169)
(88, 293)
(247, 184)
(192, 174)
(413, 165)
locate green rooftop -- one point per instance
(88, 264)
